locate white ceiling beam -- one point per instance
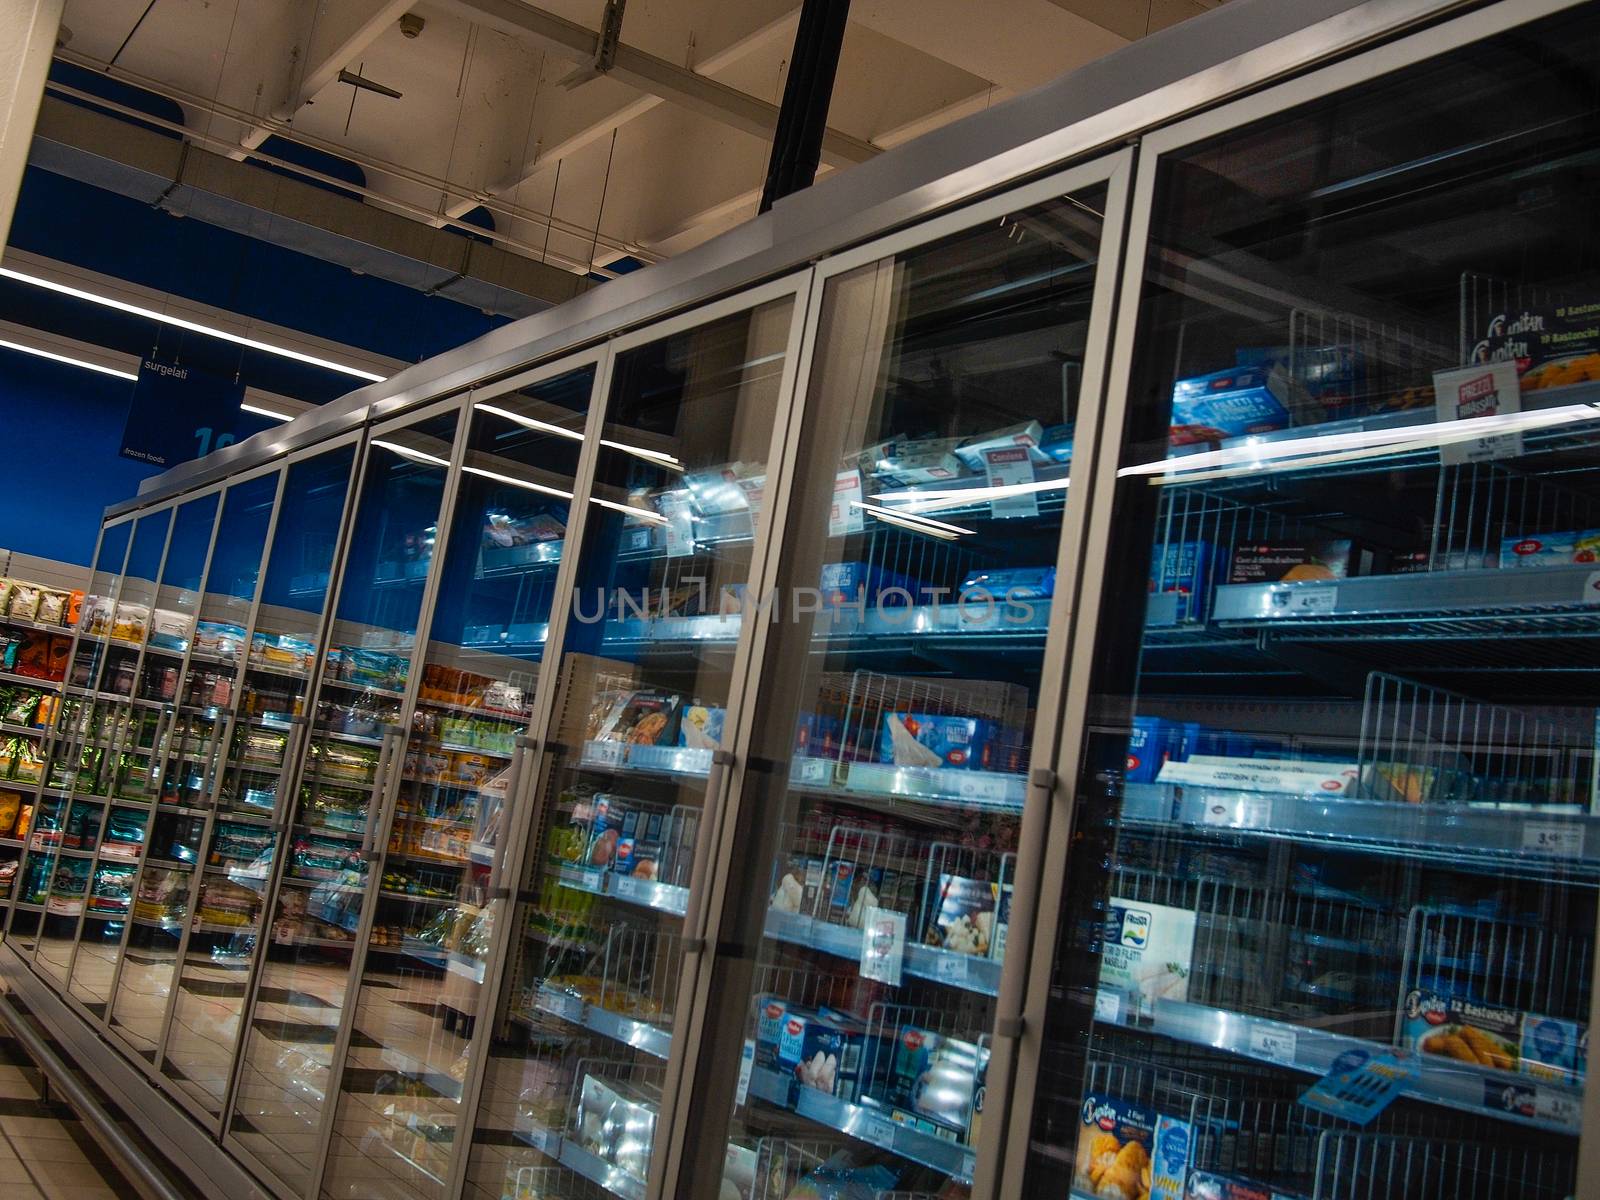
(334, 44)
(648, 73)
(583, 126)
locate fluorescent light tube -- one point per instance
(71, 362)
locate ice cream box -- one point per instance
(1027, 434)
(1292, 562)
(1115, 1142)
(1231, 403)
(931, 740)
(1551, 549)
(1186, 569)
(700, 727)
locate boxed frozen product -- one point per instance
(1057, 443)
(913, 739)
(1146, 952)
(644, 717)
(1027, 434)
(701, 727)
(1291, 562)
(822, 1049)
(932, 1080)
(1114, 1148)
(1554, 1048)
(725, 489)
(1185, 568)
(930, 460)
(1226, 404)
(1208, 1185)
(1292, 777)
(1551, 549)
(282, 650)
(1484, 1035)
(169, 629)
(1151, 743)
(615, 1126)
(1019, 583)
(131, 622)
(799, 885)
(1552, 344)
(858, 582)
(963, 915)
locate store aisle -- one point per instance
(45, 1152)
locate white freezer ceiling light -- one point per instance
(73, 362)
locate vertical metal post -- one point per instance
(803, 117)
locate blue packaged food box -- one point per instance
(1152, 741)
(845, 582)
(771, 1012)
(823, 1050)
(1185, 568)
(1226, 404)
(701, 727)
(1024, 583)
(929, 740)
(1057, 443)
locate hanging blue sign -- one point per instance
(179, 413)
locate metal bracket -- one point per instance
(606, 42)
(1008, 1027)
(530, 744)
(693, 945)
(500, 893)
(1043, 777)
(371, 856)
(722, 758)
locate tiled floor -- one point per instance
(45, 1153)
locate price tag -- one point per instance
(1559, 839)
(747, 1063)
(951, 968)
(878, 1131)
(1273, 1043)
(1559, 1108)
(883, 946)
(1470, 393)
(969, 1166)
(625, 887)
(812, 770)
(982, 786)
(1010, 476)
(846, 516)
(1244, 812)
(1299, 599)
(568, 1007)
(606, 754)
(679, 529)
(1107, 1006)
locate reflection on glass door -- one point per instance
(117, 757)
(78, 739)
(586, 1016)
(332, 877)
(402, 1082)
(217, 614)
(1332, 891)
(266, 679)
(183, 742)
(869, 887)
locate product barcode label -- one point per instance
(1273, 1044)
(606, 754)
(1553, 837)
(812, 770)
(565, 1006)
(625, 887)
(1244, 812)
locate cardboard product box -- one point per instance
(771, 1012)
(1186, 568)
(1553, 345)
(963, 916)
(1554, 1048)
(1146, 953)
(844, 582)
(1292, 562)
(1115, 1144)
(823, 1050)
(1056, 444)
(700, 727)
(1551, 549)
(1227, 404)
(1151, 743)
(1447, 1026)
(1022, 583)
(1209, 1185)
(933, 1080)
(1026, 434)
(929, 460)
(911, 739)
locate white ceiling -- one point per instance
(484, 117)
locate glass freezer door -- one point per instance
(184, 740)
(587, 1012)
(83, 728)
(332, 870)
(411, 1044)
(869, 880)
(168, 881)
(272, 671)
(1330, 913)
(118, 758)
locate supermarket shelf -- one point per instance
(428, 858)
(344, 835)
(355, 739)
(1502, 1094)
(597, 1170)
(169, 864)
(14, 843)
(11, 730)
(39, 626)
(407, 896)
(230, 930)
(257, 769)
(1460, 833)
(965, 971)
(866, 1124)
(44, 847)
(24, 906)
(368, 689)
(95, 914)
(281, 670)
(493, 714)
(487, 753)
(43, 685)
(650, 1039)
(174, 927)
(498, 561)
(647, 893)
(675, 761)
(453, 961)
(936, 785)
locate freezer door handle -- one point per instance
(694, 934)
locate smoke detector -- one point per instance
(411, 25)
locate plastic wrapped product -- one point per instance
(132, 622)
(52, 607)
(22, 603)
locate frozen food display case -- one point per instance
(1057, 664)
(1330, 898)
